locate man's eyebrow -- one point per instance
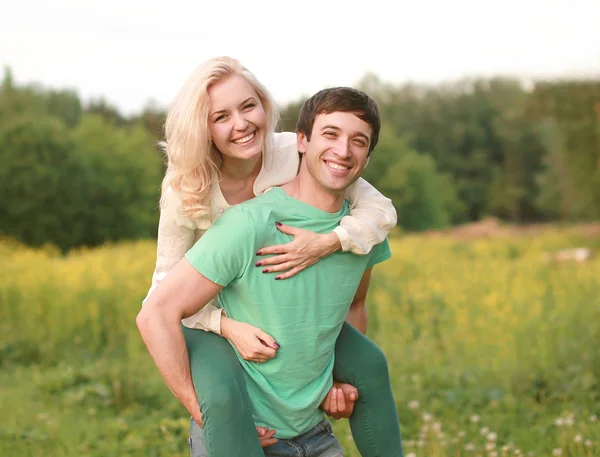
(358, 133)
(243, 103)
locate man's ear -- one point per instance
(301, 142)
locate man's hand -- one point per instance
(265, 436)
(339, 402)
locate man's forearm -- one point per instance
(164, 340)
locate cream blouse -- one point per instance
(372, 217)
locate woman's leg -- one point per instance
(374, 422)
(218, 376)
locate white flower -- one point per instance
(490, 446)
(593, 418)
(559, 422)
(427, 417)
(461, 434)
(475, 418)
(493, 454)
(413, 404)
(491, 436)
(578, 438)
(569, 420)
(505, 448)
(557, 451)
(469, 447)
(518, 452)
(588, 443)
(484, 430)
(412, 454)
(436, 426)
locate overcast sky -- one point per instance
(131, 51)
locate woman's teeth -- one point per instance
(245, 139)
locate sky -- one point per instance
(134, 53)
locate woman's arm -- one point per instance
(175, 238)
(372, 217)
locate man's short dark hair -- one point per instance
(342, 99)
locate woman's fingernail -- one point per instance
(258, 264)
(277, 277)
(276, 344)
(265, 270)
(258, 253)
(278, 224)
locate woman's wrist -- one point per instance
(333, 243)
(225, 326)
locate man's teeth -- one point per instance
(245, 139)
(337, 166)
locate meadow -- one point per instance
(493, 350)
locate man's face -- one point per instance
(337, 151)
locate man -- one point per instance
(337, 130)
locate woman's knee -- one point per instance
(372, 362)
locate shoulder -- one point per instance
(171, 208)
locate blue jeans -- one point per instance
(317, 442)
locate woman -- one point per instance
(221, 151)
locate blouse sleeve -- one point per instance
(175, 238)
(372, 217)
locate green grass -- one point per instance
(493, 351)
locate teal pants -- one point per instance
(229, 429)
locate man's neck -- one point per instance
(306, 190)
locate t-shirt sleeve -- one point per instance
(380, 253)
(224, 251)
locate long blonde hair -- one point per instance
(193, 161)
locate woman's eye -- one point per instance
(220, 118)
(250, 106)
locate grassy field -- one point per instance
(493, 350)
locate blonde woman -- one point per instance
(222, 150)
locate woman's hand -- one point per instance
(251, 342)
(339, 402)
(265, 436)
(306, 249)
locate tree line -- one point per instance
(82, 174)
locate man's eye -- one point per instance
(360, 143)
(330, 134)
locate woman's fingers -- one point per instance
(290, 273)
(275, 260)
(266, 339)
(275, 249)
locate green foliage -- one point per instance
(448, 154)
(38, 199)
(424, 198)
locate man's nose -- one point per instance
(342, 149)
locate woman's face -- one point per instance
(236, 118)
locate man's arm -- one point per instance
(357, 315)
(182, 293)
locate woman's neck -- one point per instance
(238, 177)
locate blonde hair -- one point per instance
(193, 161)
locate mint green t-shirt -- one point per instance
(304, 313)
